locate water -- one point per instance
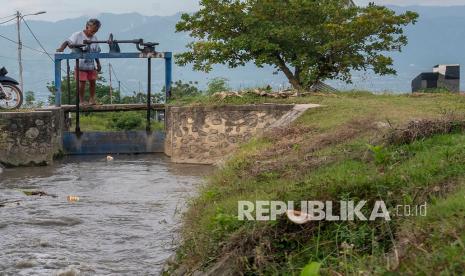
(124, 223)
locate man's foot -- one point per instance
(84, 103)
(94, 103)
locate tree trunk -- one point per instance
(293, 78)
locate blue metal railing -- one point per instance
(167, 56)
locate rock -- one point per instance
(216, 121)
(32, 133)
(226, 94)
(382, 124)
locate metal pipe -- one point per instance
(111, 89)
(168, 76)
(68, 81)
(57, 82)
(134, 41)
(20, 47)
(149, 91)
(78, 127)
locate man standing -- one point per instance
(87, 69)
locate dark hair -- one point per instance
(94, 22)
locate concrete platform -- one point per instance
(112, 107)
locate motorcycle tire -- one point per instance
(4, 104)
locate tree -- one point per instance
(308, 40)
(217, 85)
(102, 91)
(141, 98)
(181, 89)
(29, 98)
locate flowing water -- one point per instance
(124, 221)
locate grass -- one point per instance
(436, 243)
(116, 121)
(339, 153)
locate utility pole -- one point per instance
(119, 91)
(111, 89)
(20, 17)
(20, 47)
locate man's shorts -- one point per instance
(87, 75)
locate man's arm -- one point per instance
(63, 46)
(99, 67)
(70, 41)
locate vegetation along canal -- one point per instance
(94, 216)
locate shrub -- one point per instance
(126, 121)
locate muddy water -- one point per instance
(124, 223)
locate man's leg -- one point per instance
(92, 91)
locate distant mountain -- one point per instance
(438, 37)
(39, 69)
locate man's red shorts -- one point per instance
(87, 75)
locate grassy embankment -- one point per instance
(347, 150)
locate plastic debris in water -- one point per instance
(73, 198)
(37, 193)
(109, 158)
(34, 193)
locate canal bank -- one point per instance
(402, 149)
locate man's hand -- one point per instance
(63, 47)
(99, 67)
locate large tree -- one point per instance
(308, 40)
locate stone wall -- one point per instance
(196, 134)
(58, 126)
(205, 135)
(30, 138)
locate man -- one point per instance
(87, 70)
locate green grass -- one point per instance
(436, 242)
(116, 121)
(333, 153)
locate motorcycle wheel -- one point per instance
(14, 97)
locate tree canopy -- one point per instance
(308, 40)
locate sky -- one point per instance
(61, 9)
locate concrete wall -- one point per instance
(123, 142)
(30, 138)
(205, 135)
(198, 135)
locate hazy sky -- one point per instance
(60, 9)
